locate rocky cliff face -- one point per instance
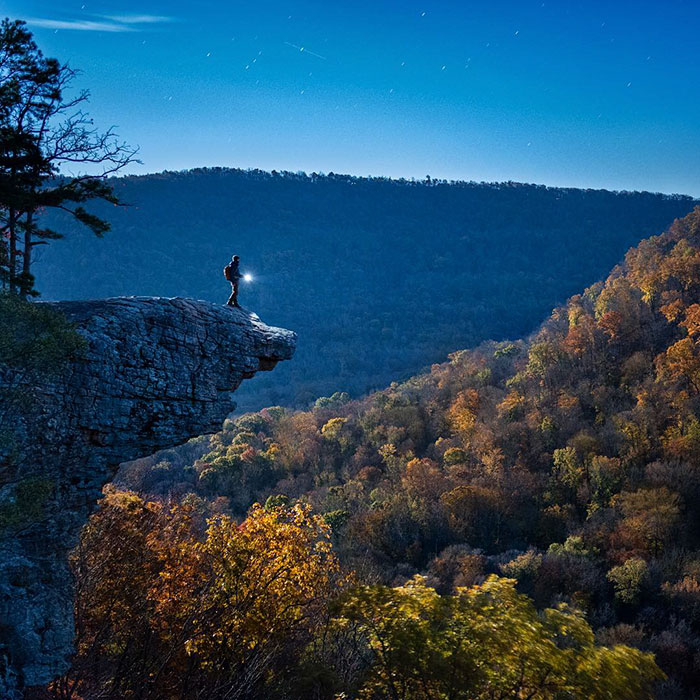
(154, 373)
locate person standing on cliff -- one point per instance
(233, 275)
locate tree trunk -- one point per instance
(12, 267)
(26, 285)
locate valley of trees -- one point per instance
(520, 521)
(380, 278)
(170, 606)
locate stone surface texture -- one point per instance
(154, 373)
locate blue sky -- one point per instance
(589, 94)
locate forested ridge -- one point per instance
(380, 278)
(520, 521)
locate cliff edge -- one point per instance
(154, 372)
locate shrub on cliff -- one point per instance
(35, 337)
(35, 341)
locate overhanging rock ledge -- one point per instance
(155, 372)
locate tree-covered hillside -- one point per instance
(380, 278)
(570, 462)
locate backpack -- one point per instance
(228, 273)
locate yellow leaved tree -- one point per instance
(170, 605)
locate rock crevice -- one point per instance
(154, 373)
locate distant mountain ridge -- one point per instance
(379, 277)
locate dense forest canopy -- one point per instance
(569, 462)
(379, 277)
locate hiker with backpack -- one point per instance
(233, 275)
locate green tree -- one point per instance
(628, 579)
(487, 641)
(43, 129)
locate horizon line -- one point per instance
(399, 179)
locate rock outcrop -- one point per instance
(154, 373)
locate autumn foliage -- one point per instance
(568, 463)
(165, 609)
